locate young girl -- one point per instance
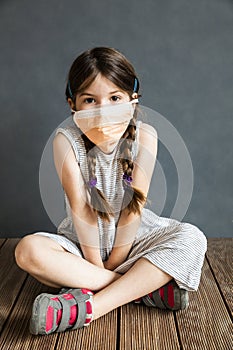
(109, 250)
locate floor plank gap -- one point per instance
(178, 331)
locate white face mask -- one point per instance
(101, 117)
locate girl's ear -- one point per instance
(134, 95)
(71, 103)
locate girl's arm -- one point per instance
(84, 219)
(143, 170)
(126, 230)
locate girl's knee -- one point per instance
(26, 252)
(197, 237)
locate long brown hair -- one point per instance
(115, 67)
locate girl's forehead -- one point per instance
(103, 83)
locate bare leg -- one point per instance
(50, 264)
(132, 285)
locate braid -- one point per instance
(133, 197)
(98, 200)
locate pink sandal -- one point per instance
(58, 313)
(168, 297)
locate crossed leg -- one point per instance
(50, 264)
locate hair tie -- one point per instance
(92, 183)
(135, 88)
(69, 89)
(127, 179)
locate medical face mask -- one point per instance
(101, 117)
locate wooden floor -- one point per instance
(206, 324)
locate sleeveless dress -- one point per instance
(175, 247)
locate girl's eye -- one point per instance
(115, 98)
(89, 100)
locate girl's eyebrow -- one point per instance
(89, 94)
(86, 94)
(114, 92)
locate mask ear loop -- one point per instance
(69, 89)
(135, 88)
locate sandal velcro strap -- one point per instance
(154, 300)
(158, 300)
(66, 305)
(80, 300)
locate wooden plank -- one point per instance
(219, 255)
(11, 278)
(100, 335)
(16, 334)
(147, 328)
(206, 324)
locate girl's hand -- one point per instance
(117, 257)
(108, 265)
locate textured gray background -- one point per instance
(183, 53)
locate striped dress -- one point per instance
(175, 247)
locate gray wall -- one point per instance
(183, 53)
